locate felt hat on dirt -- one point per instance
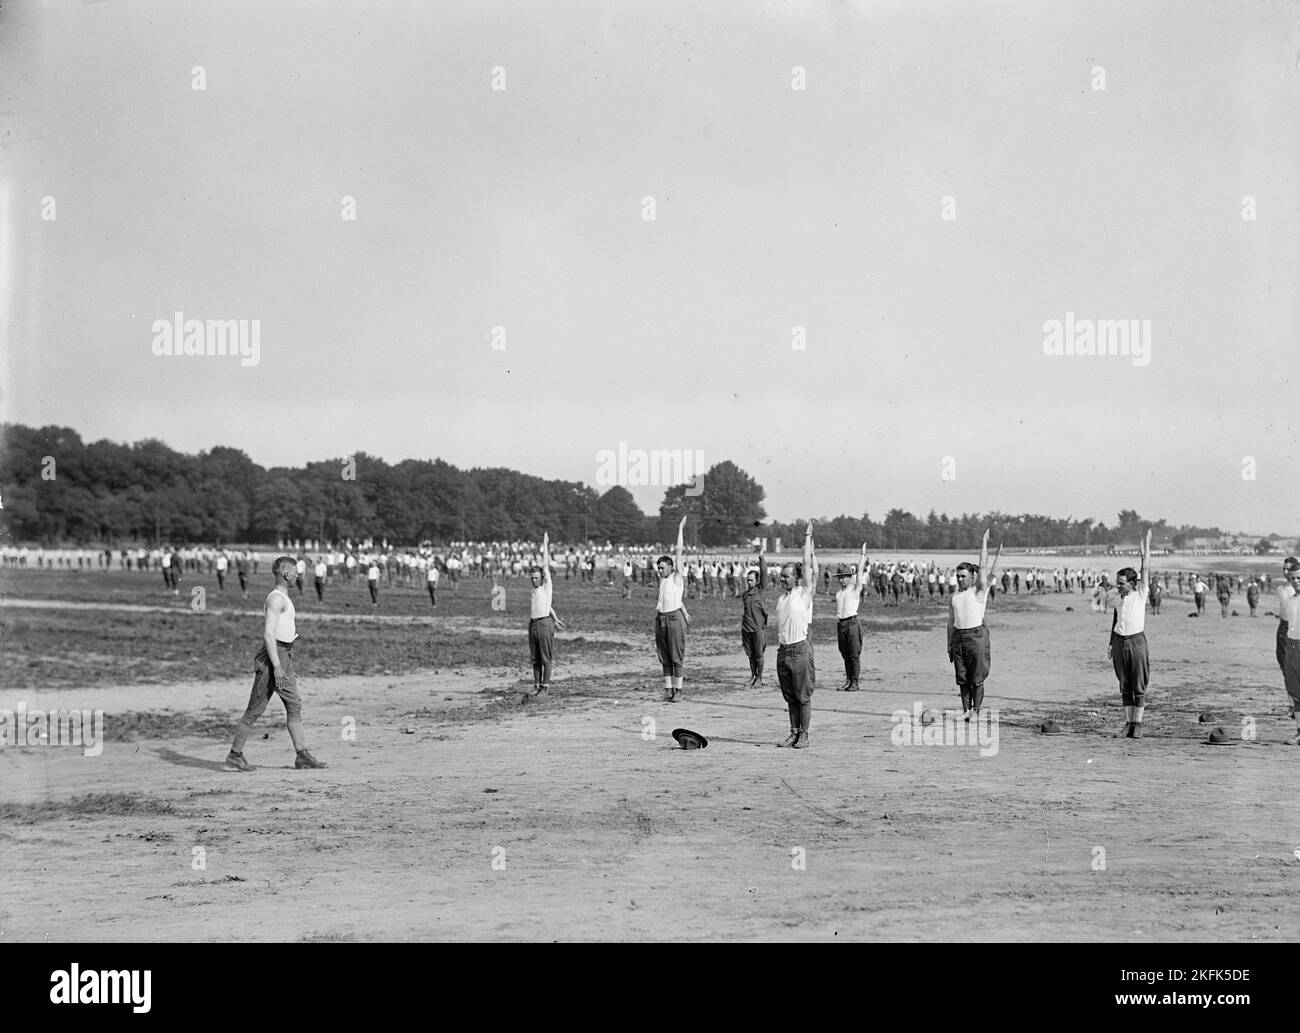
(689, 740)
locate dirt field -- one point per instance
(457, 812)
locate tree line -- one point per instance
(56, 489)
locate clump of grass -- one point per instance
(108, 804)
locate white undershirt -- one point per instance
(968, 608)
(793, 615)
(1132, 610)
(285, 630)
(539, 600)
(670, 593)
(846, 602)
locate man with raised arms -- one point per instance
(753, 620)
(1128, 641)
(542, 620)
(794, 662)
(671, 619)
(968, 638)
(848, 631)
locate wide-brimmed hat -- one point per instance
(689, 740)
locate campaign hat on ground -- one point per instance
(689, 740)
(1050, 727)
(1208, 717)
(1218, 737)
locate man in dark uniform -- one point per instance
(753, 621)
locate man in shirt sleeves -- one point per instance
(969, 648)
(848, 631)
(1128, 642)
(273, 672)
(794, 666)
(671, 619)
(542, 620)
(1285, 592)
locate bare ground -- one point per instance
(447, 819)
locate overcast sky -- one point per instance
(774, 208)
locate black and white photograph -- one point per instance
(791, 471)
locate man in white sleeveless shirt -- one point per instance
(794, 659)
(1290, 613)
(542, 620)
(969, 648)
(671, 619)
(273, 672)
(1128, 642)
(1285, 592)
(848, 631)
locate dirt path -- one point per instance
(606, 833)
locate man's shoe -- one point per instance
(306, 760)
(801, 743)
(1135, 730)
(790, 739)
(853, 687)
(667, 696)
(236, 762)
(1123, 733)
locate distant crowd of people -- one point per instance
(707, 574)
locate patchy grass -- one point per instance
(85, 648)
(146, 724)
(106, 804)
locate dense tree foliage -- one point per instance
(56, 489)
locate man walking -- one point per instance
(273, 672)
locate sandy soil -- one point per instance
(567, 822)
